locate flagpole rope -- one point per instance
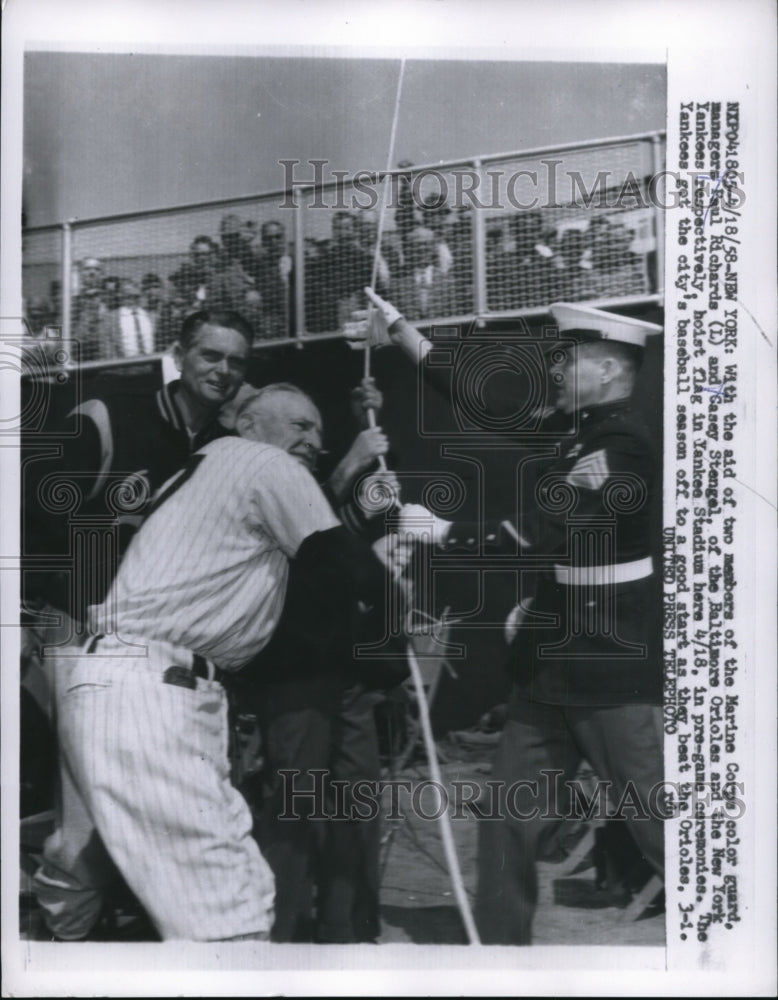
(379, 235)
(449, 848)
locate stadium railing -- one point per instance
(496, 236)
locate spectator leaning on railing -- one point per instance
(424, 289)
(336, 276)
(274, 277)
(191, 280)
(128, 330)
(88, 309)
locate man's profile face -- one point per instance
(212, 369)
(111, 288)
(129, 294)
(289, 422)
(576, 376)
(152, 295)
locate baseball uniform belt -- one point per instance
(183, 671)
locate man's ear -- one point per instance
(244, 422)
(178, 355)
(610, 369)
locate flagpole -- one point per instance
(371, 421)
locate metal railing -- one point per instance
(491, 237)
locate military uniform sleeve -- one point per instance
(612, 479)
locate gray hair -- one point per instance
(268, 390)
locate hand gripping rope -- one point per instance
(447, 836)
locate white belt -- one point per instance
(601, 576)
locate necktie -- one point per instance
(142, 341)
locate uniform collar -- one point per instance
(170, 409)
(599, 411)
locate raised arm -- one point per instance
(399, 331)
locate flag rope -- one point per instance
(449, 848)
(379, 235)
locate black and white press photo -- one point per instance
(380, 435)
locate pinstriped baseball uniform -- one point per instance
(208, 569)
(205, 575)
(145, 438)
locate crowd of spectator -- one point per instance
(425, 264)
(531, 261)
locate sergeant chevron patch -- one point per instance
(590, 472)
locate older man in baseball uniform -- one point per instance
(143, 716)
(314, 705)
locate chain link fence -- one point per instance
(504, 235)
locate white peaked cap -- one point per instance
(602, 325)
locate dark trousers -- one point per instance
(545, 744)
(348, 883)
(319, 730)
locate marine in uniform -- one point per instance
(588, 670)
(586, 658)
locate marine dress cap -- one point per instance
(587, 323)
